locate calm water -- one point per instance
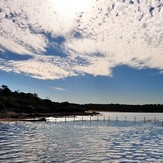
(95, 141)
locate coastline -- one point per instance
(14, 117)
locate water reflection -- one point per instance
(101, 141)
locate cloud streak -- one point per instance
(94, 38)
(59, 88)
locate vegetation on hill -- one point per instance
(16, 104)
(31, 104)
(125, 108)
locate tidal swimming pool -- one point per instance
(83, 141)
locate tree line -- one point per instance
(20, 102)
(125, 107)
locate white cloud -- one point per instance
(110, 33)
(58, 88)
(41, 67)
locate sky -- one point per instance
(83, 51)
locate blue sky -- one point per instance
(127, 86)
(83, 51)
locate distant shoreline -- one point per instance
(15, 105)
(28, 117)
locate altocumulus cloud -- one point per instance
(94, 35)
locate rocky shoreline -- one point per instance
(12, 117)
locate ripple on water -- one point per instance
(80, 142)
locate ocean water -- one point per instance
(85, 139)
